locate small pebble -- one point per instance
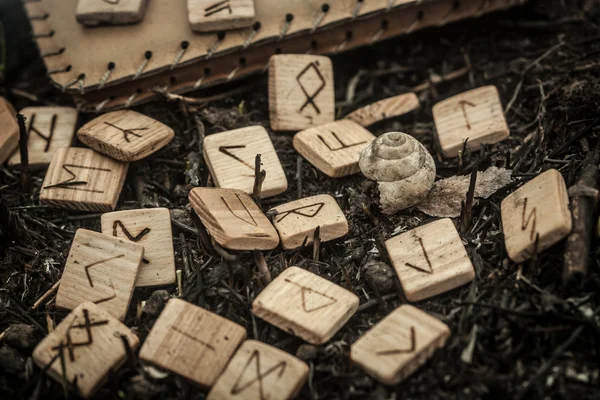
(155, 304)
(379, 275)
(307, 352)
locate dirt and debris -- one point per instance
(516, 331)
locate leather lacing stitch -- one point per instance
(340, 47)
(233, 73)
(201, 79)
(253, 32)
(215, 46)
(357, 7)
(286, 25)
(40, 17)
(320, 17)
(184, 46)
(453, 9)
(59, 70)
(79, 81)
(380, 31)
(417, 22)
(106, 76)
(54, 53)
(140, 70)
(101, 105)
(132, 98)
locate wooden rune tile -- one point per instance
(258, 371)
(385, 109)
(125, 135)
(430, 259)
(82, 179)
(233, 219)
(301, 91)
(297, 220)
(231, 157)
(100, 269)
(192, 342)
(305, 305)
(220, 15)
(476, 115)
(114, 12)
(9, 134)
(89, 344)
(536, 212)
(48, 129)
(334, 148)
(150, 227)
(399, 344)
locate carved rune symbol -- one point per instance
(226, 150)
(308, 211)
(217, 8)
(47, 138)
(70, 346)
(250, 221)
(71, 182)
(413, 346)
(462, 105)
(311, 299)
(310, 98)
(137, 238)
(91, 282)
(342, 145)
(531, 218)
(430, 270)
(127, 132)
(238, 387)
(195, 339)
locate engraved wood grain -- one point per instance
(305, 305)
(152, 229)
(476, 115)
(48, 129)
(91, 343)
(82, 179)
(230, 156)
(220, 15)
(538, 208)
(192, 342)
(100, 269)
(233, 219)
(399, 344)
(114, 12)
(385, 109)
(333, 148)
(9, 135)
(258, 371)
(430, 260)
(125, 135)
(297, 220)
(301, 92)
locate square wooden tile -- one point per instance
(114, 12)
(192, 342)
(125, 135)
(48, 129)
(301, 93)
(233, 219)
(385, 109)
(90, 343)
(297, 220)
(100, 269)
(399, 344)
(231, 157)
(9, 134)
(82, 179)
(305, 305)
(220, 15)
(259, 371)
(540, 207)
(334, 148)
(430, 259)
(476, 115)
(151, 228)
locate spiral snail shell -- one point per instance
(403, 168)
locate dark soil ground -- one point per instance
(516, 331)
